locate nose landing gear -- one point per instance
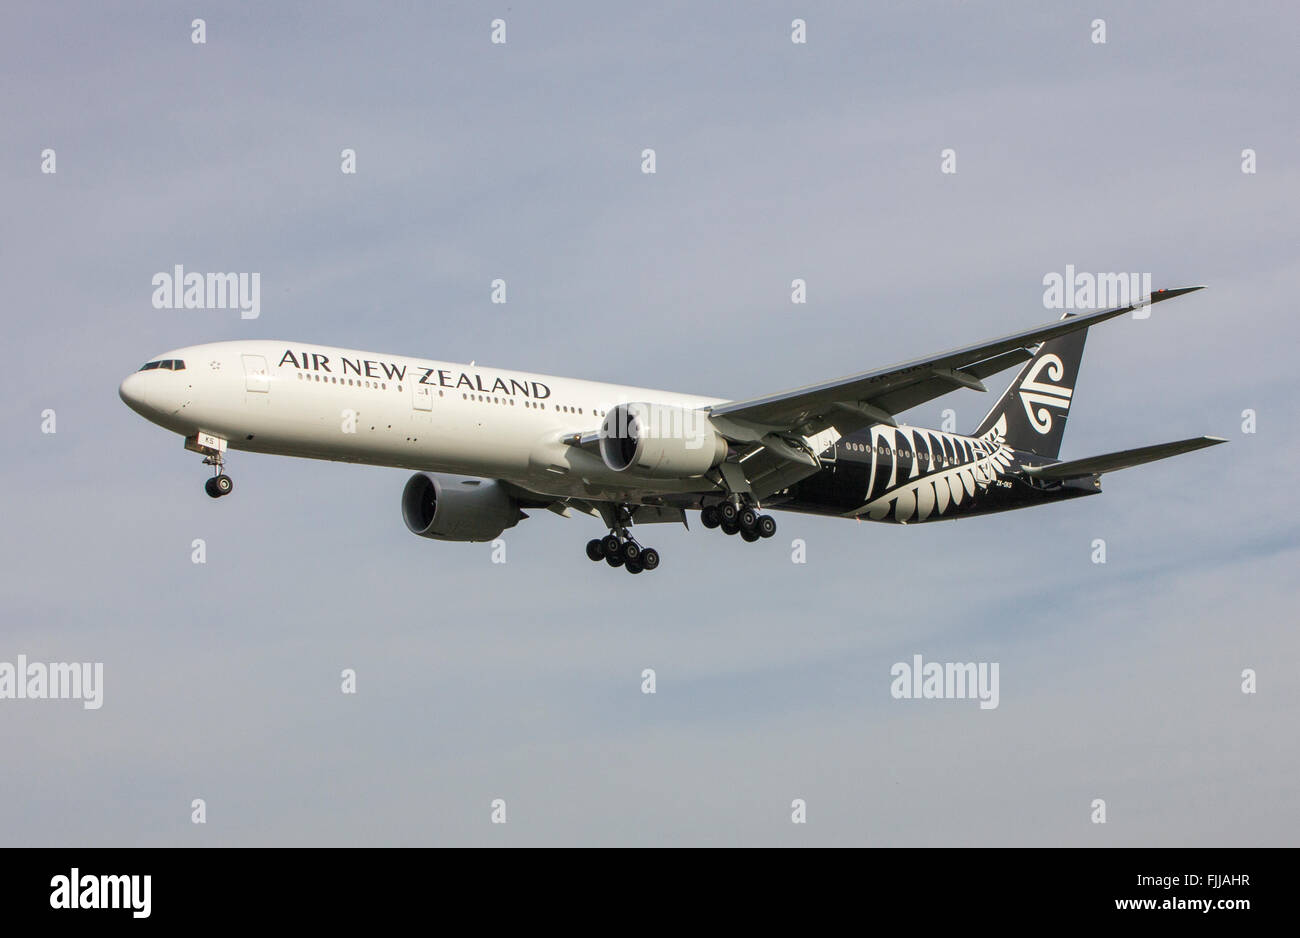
(212, 448)
(220, 484)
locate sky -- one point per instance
(522, 681)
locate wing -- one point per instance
(1095, 465)
(850, 403)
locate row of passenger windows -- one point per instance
(167, 364)
(351, 382)
(535, 405)
(489, 399)
(901, 453)
(383, 386)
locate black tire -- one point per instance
(223, 484)
(727, 513)
(729, 527)
(596, 549)
(614, 560)
(709, 517)
(210, 487)
(750, 536)
(649, 558)
(631, 551)
(634, 568)
(748, 519)
(766, 526)
(611, 545)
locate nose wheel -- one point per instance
(220, 484)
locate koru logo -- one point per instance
(1032, 392)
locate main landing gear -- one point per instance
(620, 549)
(737, 518)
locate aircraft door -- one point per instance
(256, 376)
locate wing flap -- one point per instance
(1124, 459)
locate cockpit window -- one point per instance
(168, 364)
(150, 366)
(178, 365)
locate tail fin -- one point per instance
(1032, 413)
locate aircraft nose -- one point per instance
(140, 392)
(131, 391)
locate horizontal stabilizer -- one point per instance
(1095, 465)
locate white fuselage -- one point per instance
(297, 399)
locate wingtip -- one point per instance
(1169, 292)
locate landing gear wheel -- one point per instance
(614, 560)
(750, 536)
(596, 549)
(611, 545)
(727, 513)
(649, 558)
(730, 527)
(223, 484)
(748, 518)
(210, 487)
(766, 526)
(631, 552)
(709, 517)
(634, 567)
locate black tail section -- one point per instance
(1032, 413)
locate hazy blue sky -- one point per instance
(775, 161)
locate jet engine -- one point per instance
(660, 442)
(453, 509)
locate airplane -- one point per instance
(488, 444)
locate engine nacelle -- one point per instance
(452, 509)
(660, 442)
